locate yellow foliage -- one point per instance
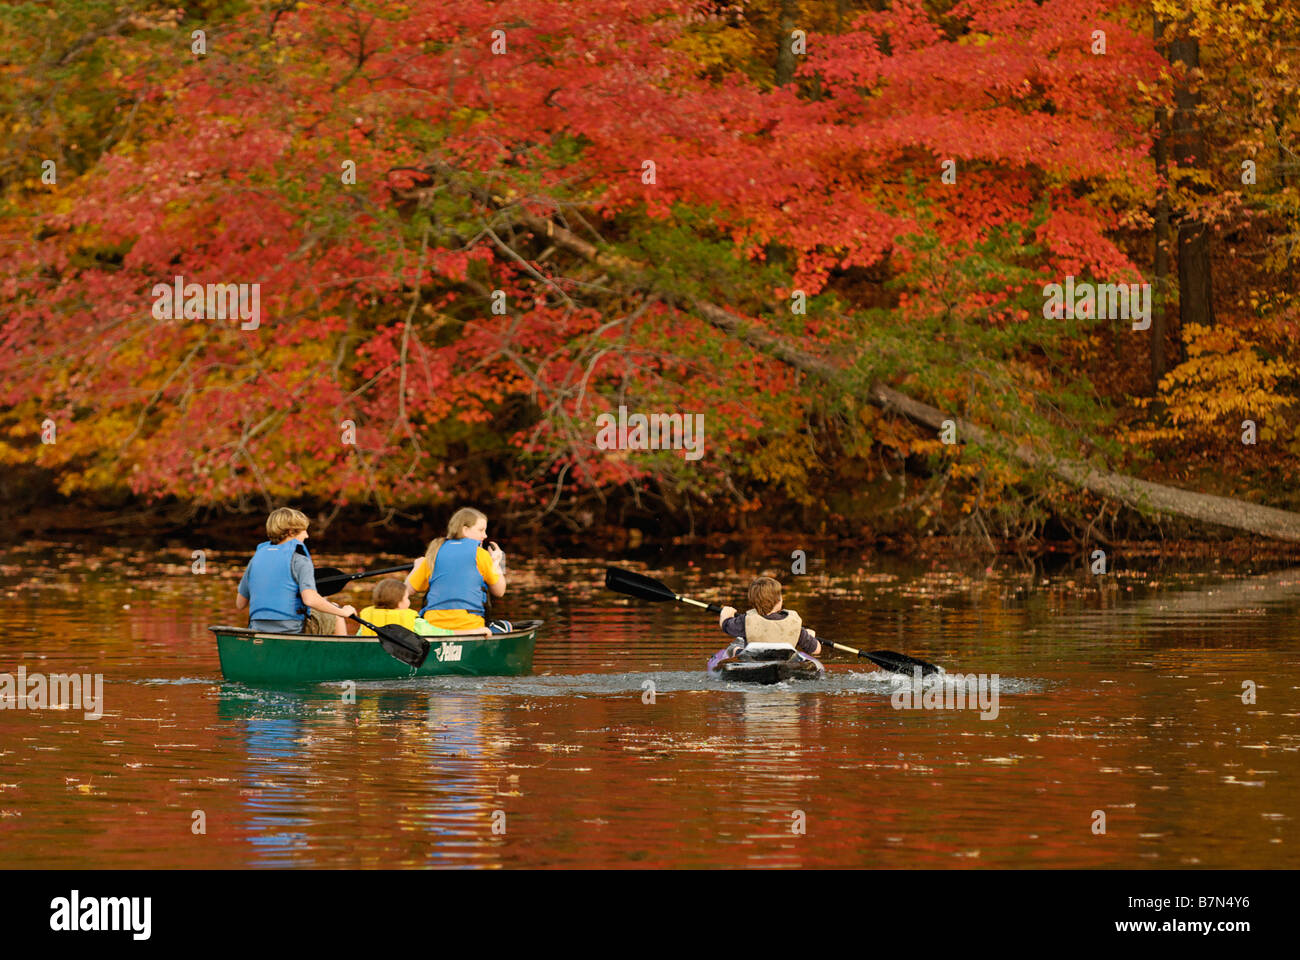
(1225, 378)
(721, 46)
(782, 463)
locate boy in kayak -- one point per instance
(279, 585)
(392, 605)
(767, 622)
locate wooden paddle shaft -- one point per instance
(711, 607)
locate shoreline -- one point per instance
(176, 526)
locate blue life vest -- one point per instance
(273, 593)
(455, 583)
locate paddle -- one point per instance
(888, 659)
(402, 644)
(648, 588)
(330, 580)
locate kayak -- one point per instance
(764, 663)
(291, 658)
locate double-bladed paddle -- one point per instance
(888, 659)
(648, 588)
(330, 580)
(402, 644)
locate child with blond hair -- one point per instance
(278, 588)
(456, 574)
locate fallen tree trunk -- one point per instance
(1132, 492)
(1142, 495)
(1139, 494)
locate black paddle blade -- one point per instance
(405, 645)
(637, 585)
(330, 580)
(400, 643)
(411, 648)
(899, 662)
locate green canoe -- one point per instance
(290, 658)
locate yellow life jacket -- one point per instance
(759, 629)
(383, 617)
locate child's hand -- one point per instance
(484, 632)
(726, 614)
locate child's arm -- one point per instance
(810, 645)
(492, 570)
(305, 574)
(412, 590)
(732, 623)
(241, 595)
(316, 602)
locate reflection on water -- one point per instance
(1125, 698)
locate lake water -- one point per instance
(1122, 696)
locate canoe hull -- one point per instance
(275, 659)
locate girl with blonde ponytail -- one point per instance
(452, 580)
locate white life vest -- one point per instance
(765, 632)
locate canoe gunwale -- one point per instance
(522, 628)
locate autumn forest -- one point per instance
(1003, 270)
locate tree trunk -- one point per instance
(1194, 302)
(785, 58)
(1159, 312)
(841, 8)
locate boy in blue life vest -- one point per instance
(767, 622)
(279, 586)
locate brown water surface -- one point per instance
(1124, 698)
